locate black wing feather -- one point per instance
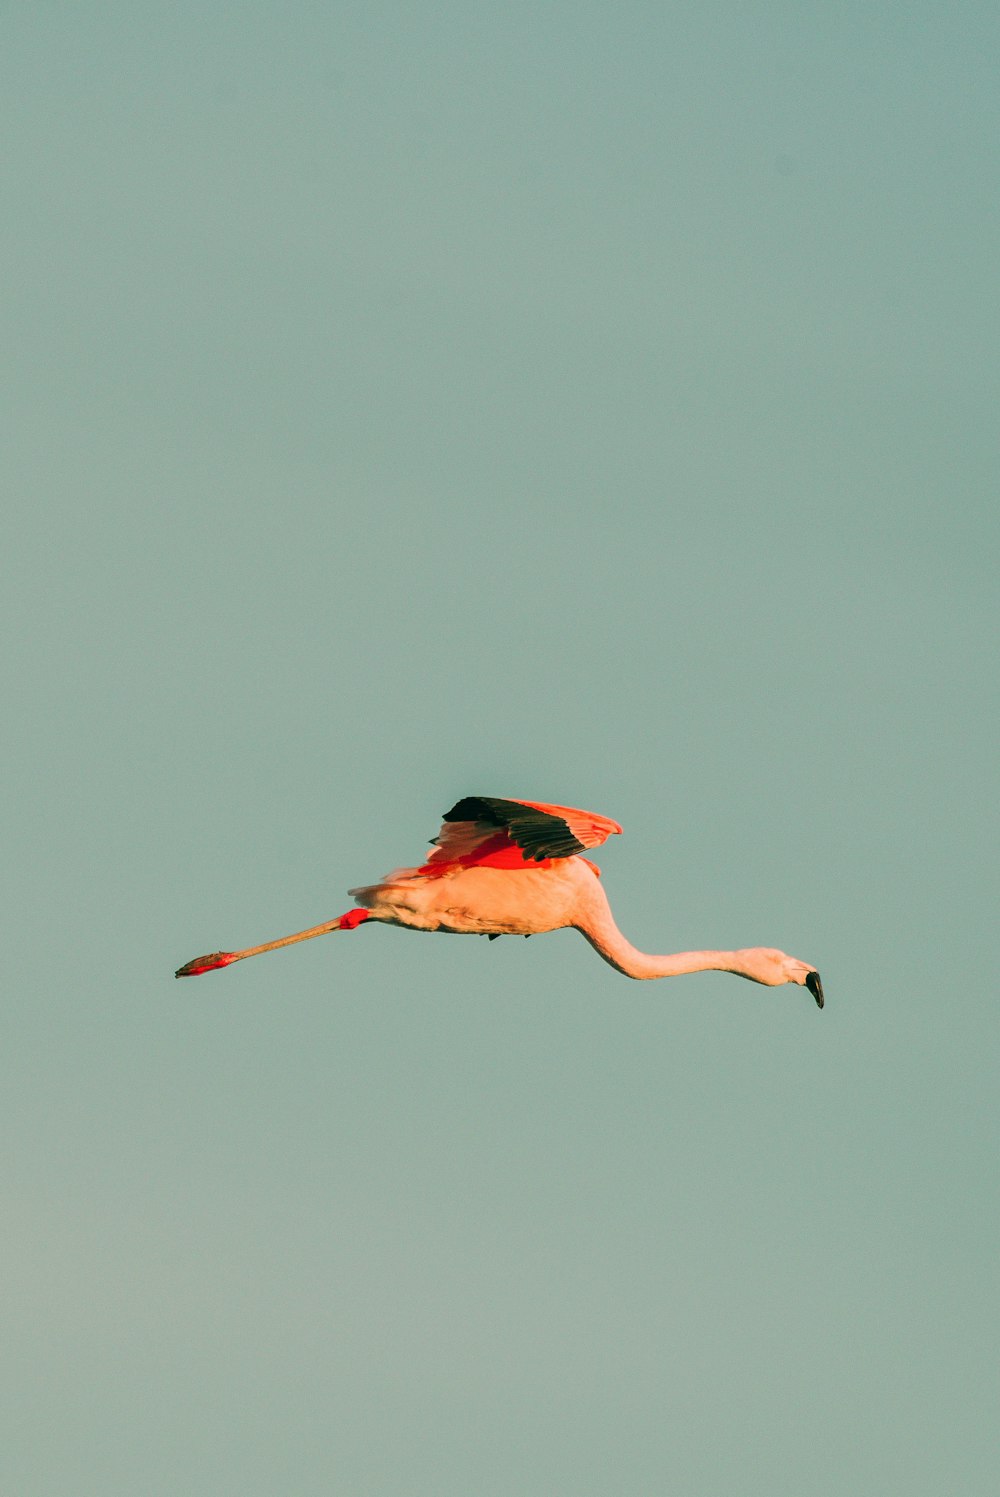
(537, 833)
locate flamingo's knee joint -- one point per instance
(353, 919)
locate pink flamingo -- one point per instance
(513, 868)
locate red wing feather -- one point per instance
(483, 829)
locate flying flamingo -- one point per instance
(513, 868)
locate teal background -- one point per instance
(594, 403)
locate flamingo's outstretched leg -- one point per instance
(199, 964)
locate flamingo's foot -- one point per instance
(200, 964)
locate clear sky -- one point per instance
(595, 403)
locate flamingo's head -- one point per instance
(765, 964)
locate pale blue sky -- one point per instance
(597, 404)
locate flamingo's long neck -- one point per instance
(607, 940)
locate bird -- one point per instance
(515, 868)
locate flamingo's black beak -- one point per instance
(815, 987)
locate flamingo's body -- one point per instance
(514, 868)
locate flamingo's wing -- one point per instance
(510, 833)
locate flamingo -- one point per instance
(513, 868)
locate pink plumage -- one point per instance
(514, 867)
